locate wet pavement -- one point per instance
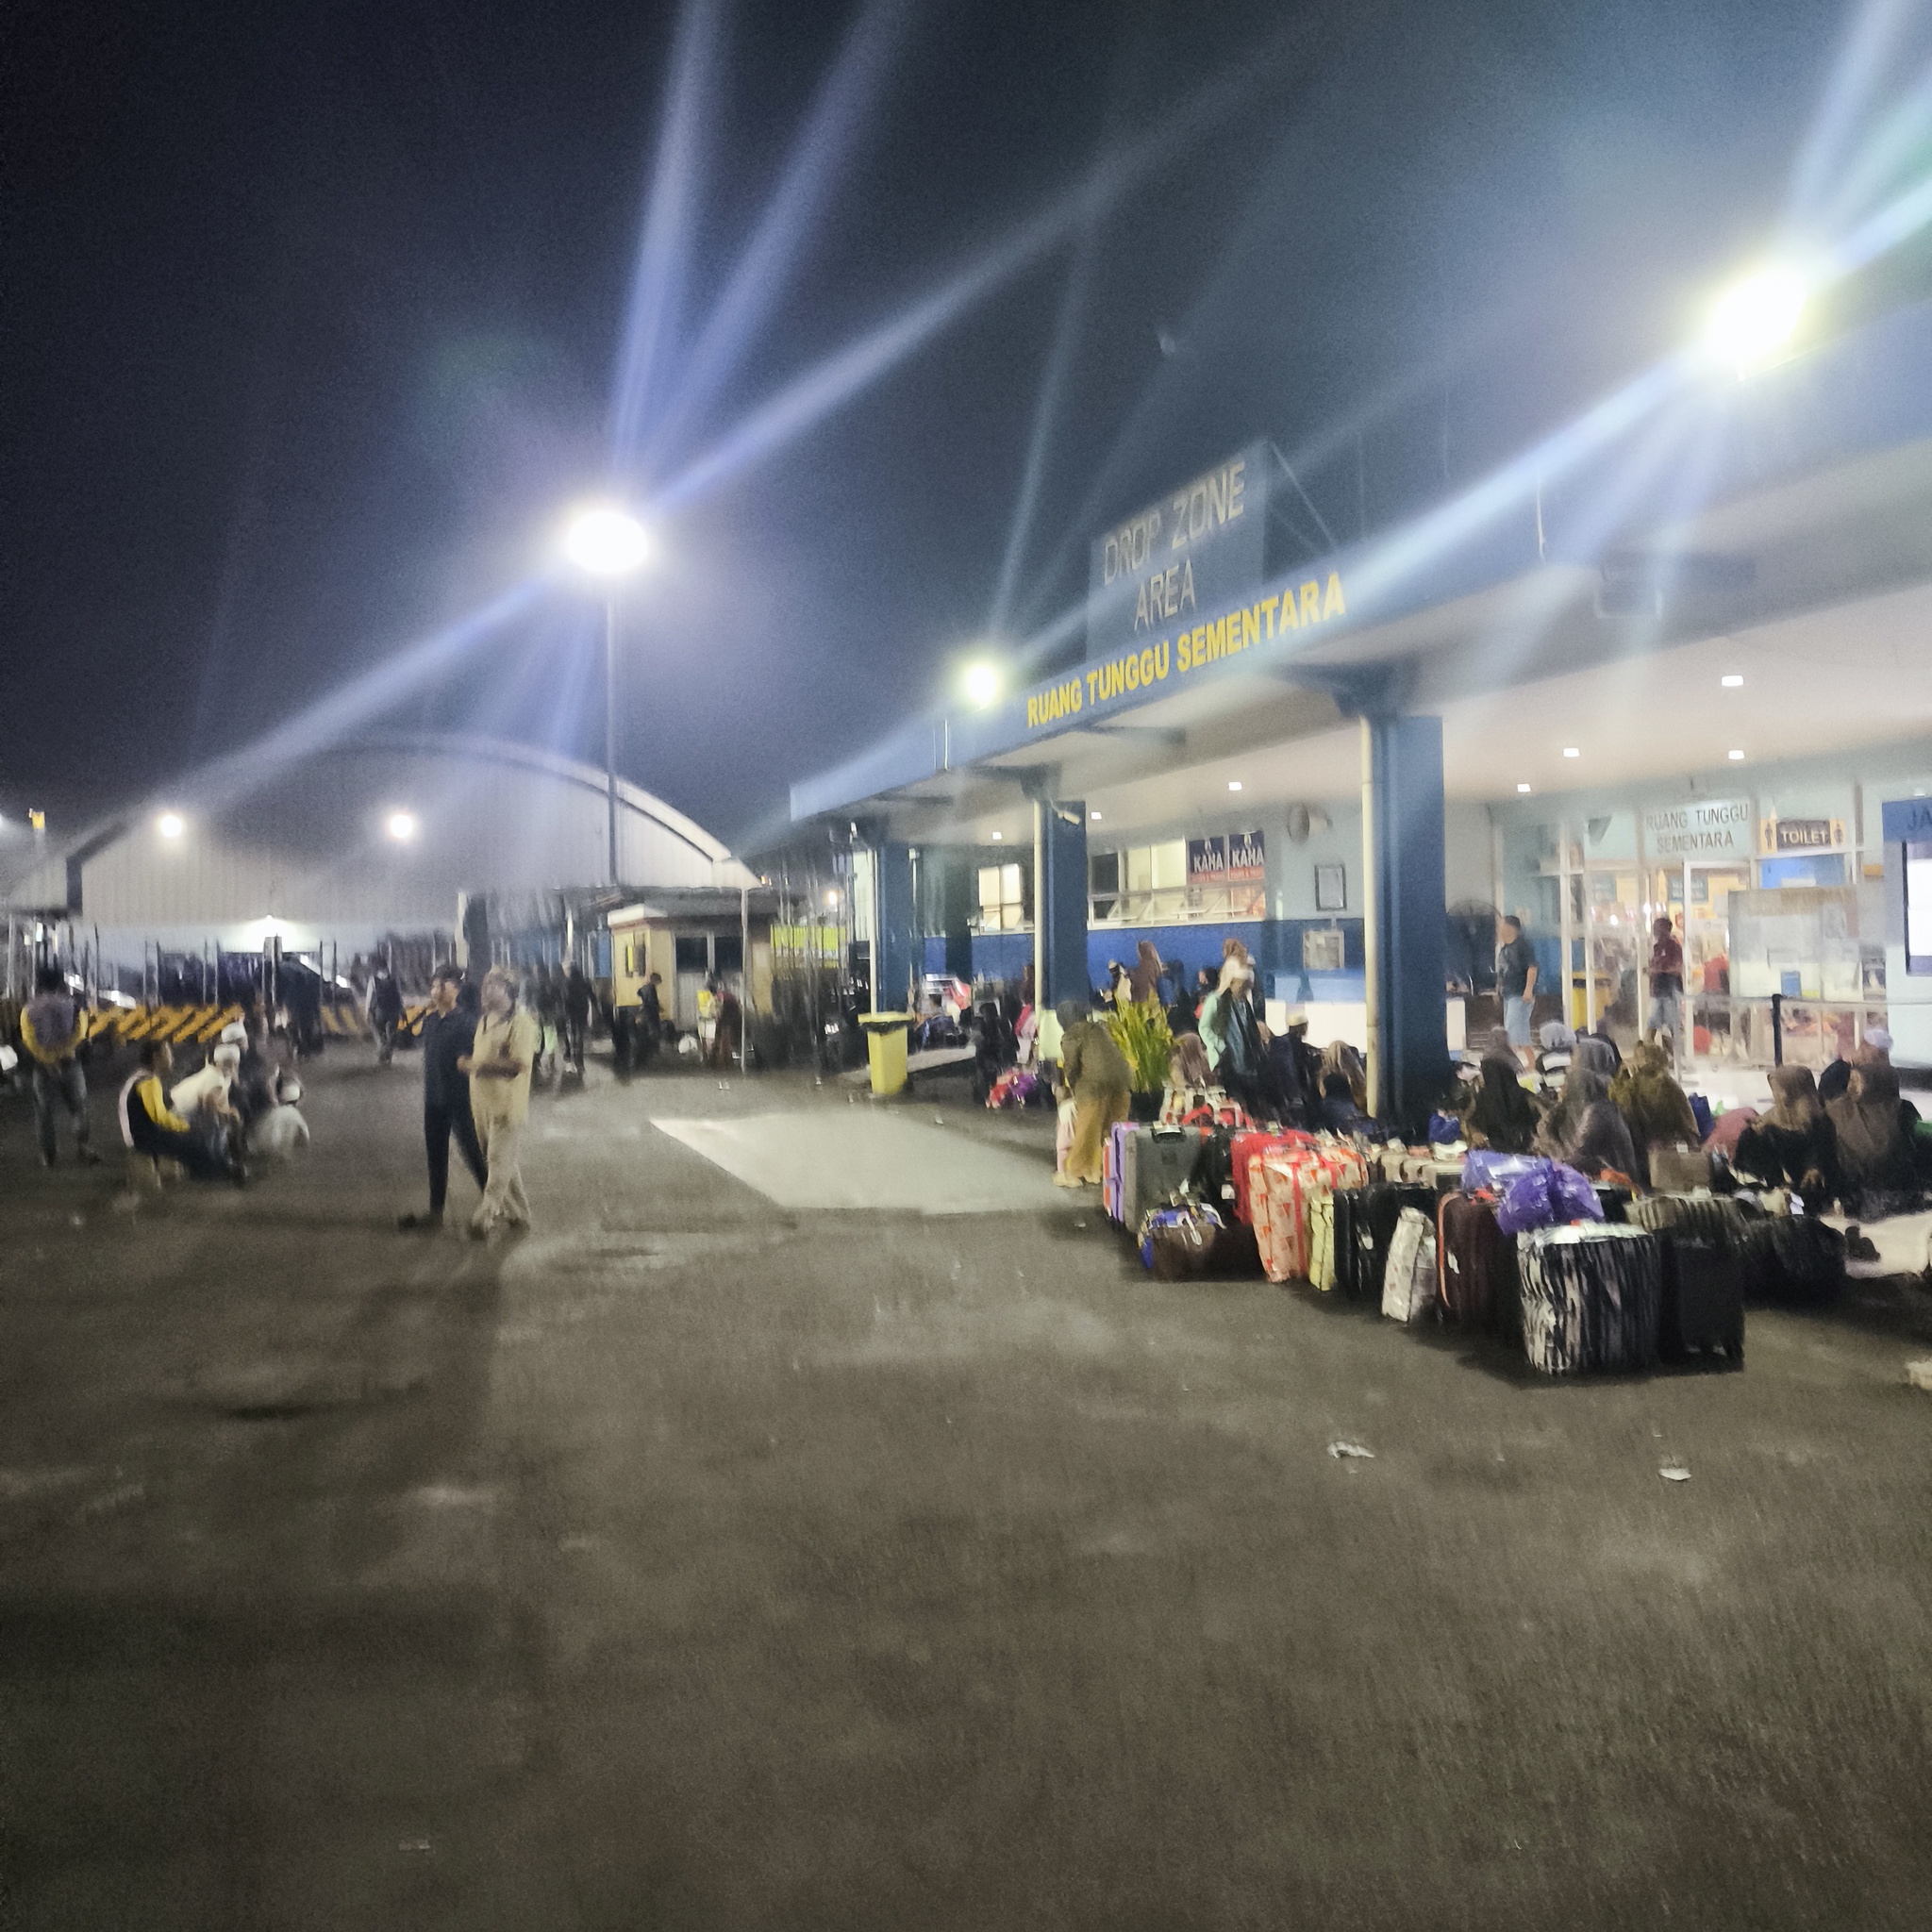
(712, 1557)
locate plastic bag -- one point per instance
(1548, 1196)
(1486, 1171)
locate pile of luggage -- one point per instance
(1583, 1277)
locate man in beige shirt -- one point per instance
(498, 1064)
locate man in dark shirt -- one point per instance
(1666, 977)
(651, 1017)
(1516, 971)
(576, 1016)
(448, 1034)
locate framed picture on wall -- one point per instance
(1331, 887)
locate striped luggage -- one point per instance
(1475, 1261)
(1592, 1296)
(1408, 1280)
(1155, 1163)
(1706, 1217)
(1247, 1146)
(1281, 1183)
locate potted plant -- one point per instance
(1143, 1036)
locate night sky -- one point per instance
(313, 314)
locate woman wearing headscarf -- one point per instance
(1502, 1115)
(1188, 1067)
(1338, 1056)
(1584, 1129)
(1145, 977)
(1095, 1071)
(1875, 1137)
(1795, 1144)
(1653, 1104)
(1559, 1043)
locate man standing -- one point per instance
(499, 1064)
(576, 1016)
(651, 1016)
(1666, 977)
(51, 1030)
(1516, 972)
(385, 1013)
(447, 1036)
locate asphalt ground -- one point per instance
(698, 1561)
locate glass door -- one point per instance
(1613, 943)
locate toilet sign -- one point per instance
(1704, 828)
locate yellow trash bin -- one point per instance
(885, 1049)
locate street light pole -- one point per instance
(610, 723)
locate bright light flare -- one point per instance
(606, 541)
(171, 825)
(982, 684)
(1752, 324)
(401, 826)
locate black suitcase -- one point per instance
(1370, 1217)
(1158, 1163)
(1703, 1306)
(1614, 1201)
(1792, 1257)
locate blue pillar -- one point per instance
(896, 963)
(1059, 900)
(1407, 916)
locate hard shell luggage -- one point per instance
(1155, 1163)
(1592, 1296)
(1792, 1257)
(1475, 1262)
(1114, 1168)
(1713, 1218)
(1702, 1304)
(1408, 1280)
(1365, 1221)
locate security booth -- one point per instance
(690, 940)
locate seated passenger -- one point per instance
(1584, 1131)
(150, 1127)
(1795, 1144)
(1874, 1129)
(1502, 1116)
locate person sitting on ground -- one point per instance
(1874, 1131)
(1559, 1043)
(150, 1127)
(1095, 1073)
(1795, 1144)
(1340, 1114)
(1338, 1056)
(1188, 1065)
(213, 1083)
(1584, 1129)
(1653, 1104)
(1836, 1078)
(1501, 1116)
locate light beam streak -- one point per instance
(1855, 78)
(657, 281)
(762, 271)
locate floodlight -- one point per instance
(1751, 325)
(982, 684)
(171, 825)
(607, 541)
(401, 826)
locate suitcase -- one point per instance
(1212, 1177)
(1474, 1259)
(1703, 1306)
(1679, 1171)
(1155, 1163)
(1409, 1279)
(1792, 1257)
(1282, 1182)
(1365, 1221)
(1614, 1201)
(1113, 1167)
(1713, 1218)
(1592, 1296)
(1246, 1147)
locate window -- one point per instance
(1147, 885)
(1102, 884)
(1002, 898)
(727, 952)
(693, 953)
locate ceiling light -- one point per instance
(1731, 680)
(1737, 756)
(1094, 815)
(997, 837)
(607, 541)
(402, 826)
(981, 684)
(1572, 750)
(1522, 788)
(1234, 784)
(170, 825)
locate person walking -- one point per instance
(448, 1034)
(51, 1030)
(1516, 974)
(1095, 1073)
(577, 1015)
(385, 1013)
(498, 1064)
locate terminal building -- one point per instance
(413, 844)
(1678, 660)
